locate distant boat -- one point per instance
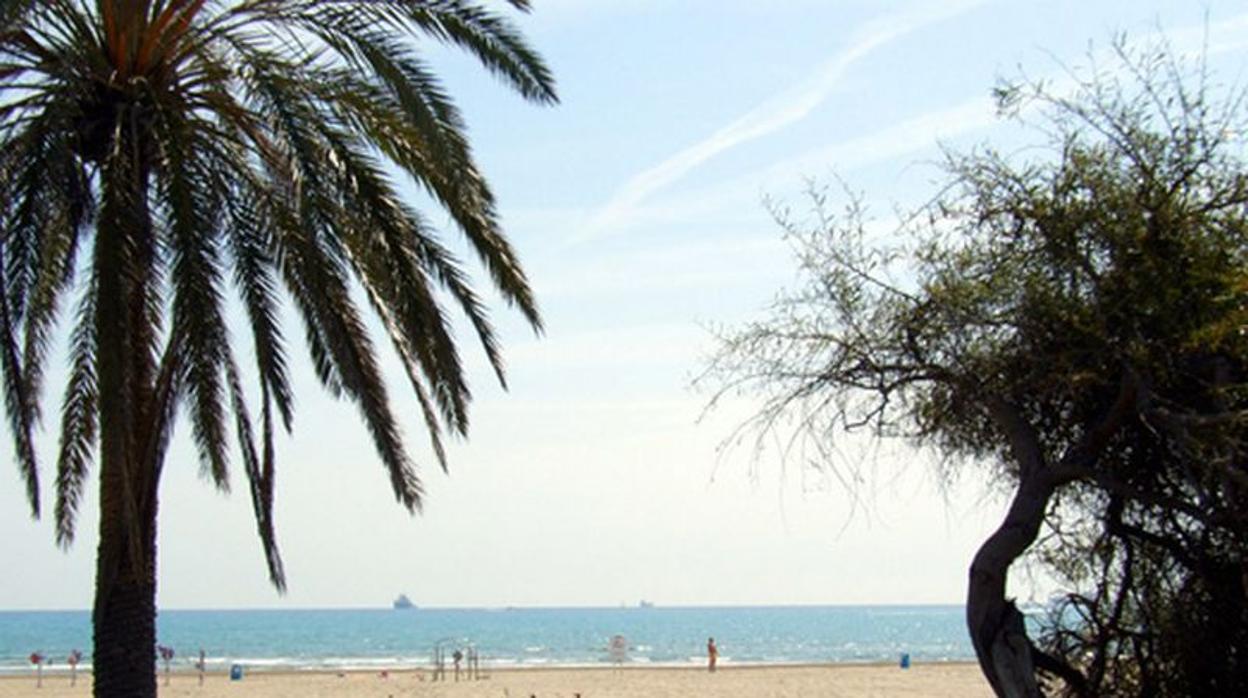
(403, 603)
(645, 604)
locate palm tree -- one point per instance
(194, 153)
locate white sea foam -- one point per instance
(381, 640)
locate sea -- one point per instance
(392, 639)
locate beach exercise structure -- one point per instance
(617, 649)
(464, 657)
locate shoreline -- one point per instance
(398, 667)
(591, 668)
(410, 669)
(840, 680)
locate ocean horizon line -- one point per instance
(517, 607)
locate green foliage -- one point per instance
(1074, 319)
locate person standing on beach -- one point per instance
(712, 654)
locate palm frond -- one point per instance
(313, 269)
(421, 249)
(326, 303)
(249, 240)
(25, 198)
(259, 472)
(292, 163)
(191, 196)
(323, 294)
(14, 12)
(414, 123)
(371, 231)
(253, 208)
(18, 404)
(67, 214)
(78, 423)
(494, 40)
(167, 392)
(400, 295)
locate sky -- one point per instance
(637, 207)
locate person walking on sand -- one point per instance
(712, 654)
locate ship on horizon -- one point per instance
(403, 603)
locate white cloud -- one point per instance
(776, 113)
(904, 138)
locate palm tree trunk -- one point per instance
(124, 616)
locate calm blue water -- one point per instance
(331, 639)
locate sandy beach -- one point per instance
(960, 680)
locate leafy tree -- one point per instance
(1072, 322)
(184, 148)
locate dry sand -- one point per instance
(954, 680)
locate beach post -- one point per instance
(166, 654)
(37, 659)
(73, 659)
(439, 663)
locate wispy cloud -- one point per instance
(776, 113)
(919, 134)
(641, 199)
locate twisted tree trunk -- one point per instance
(996, 625)
(998, 632)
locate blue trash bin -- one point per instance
(905, 660)
(236, 672)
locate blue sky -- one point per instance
(637, 206)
